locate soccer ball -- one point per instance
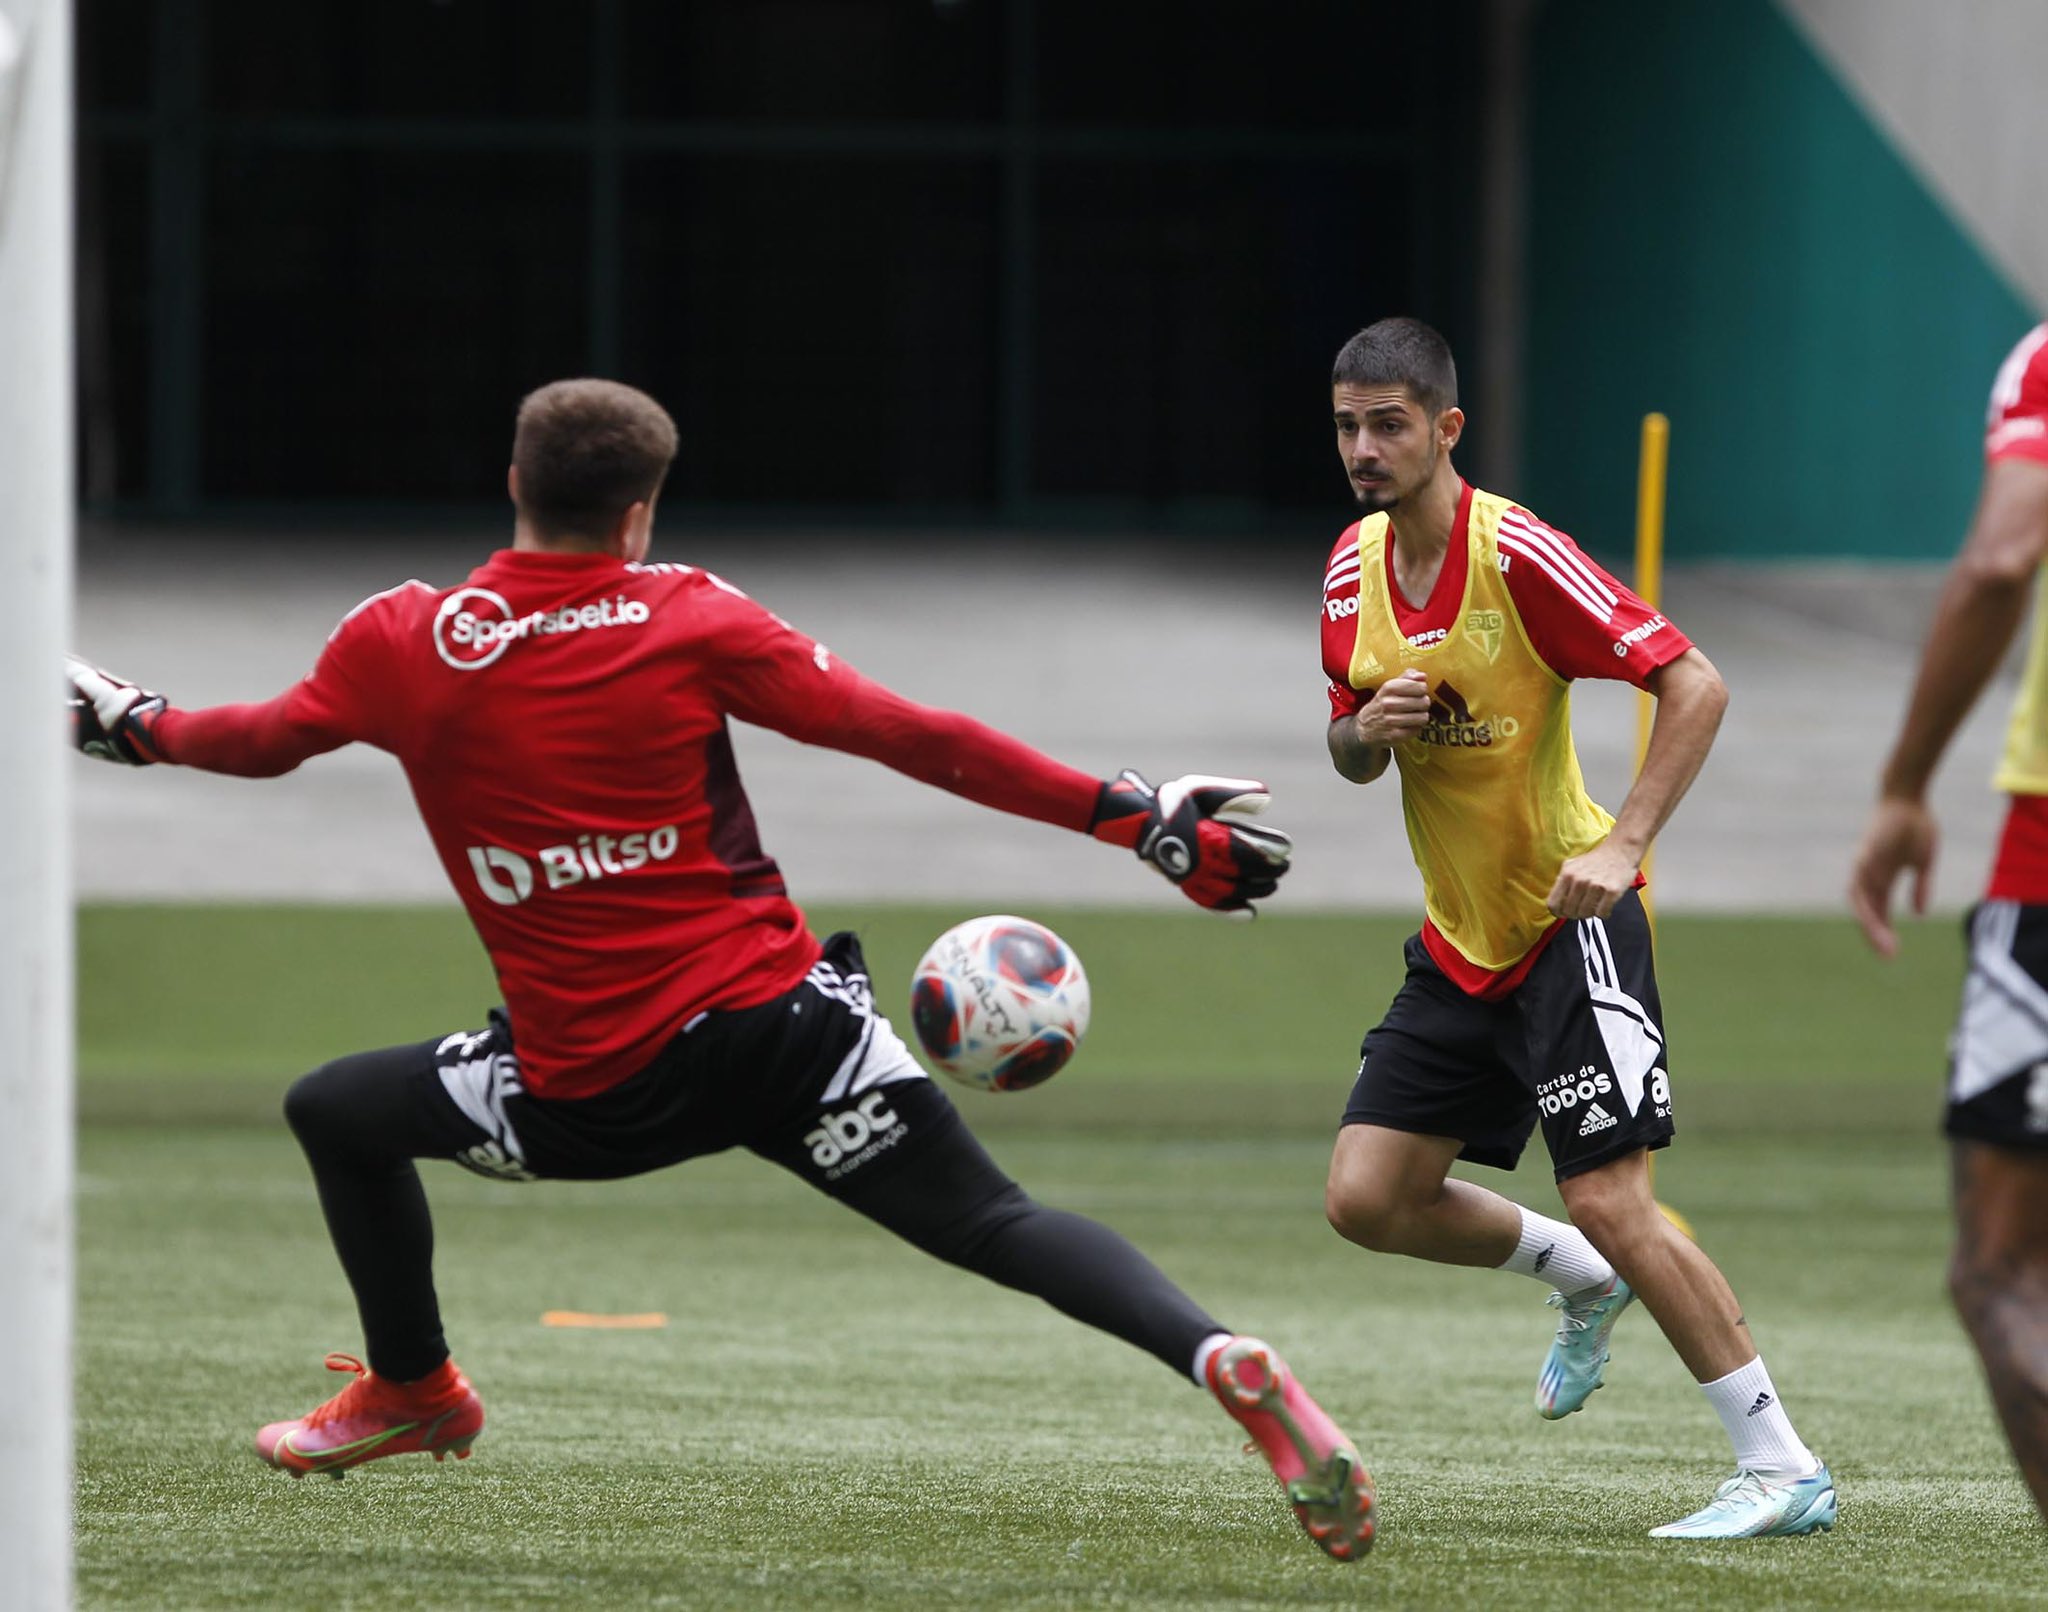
(999, 1003)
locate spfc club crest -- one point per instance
(1484, 628)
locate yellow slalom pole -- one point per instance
(1651, 460)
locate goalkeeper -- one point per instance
(562, 719)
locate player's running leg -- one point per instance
(362, 1121)
(1998, 1271)
(1780, 1486)
(1998, 1277)
(1443, 1077)
(1389, 1191)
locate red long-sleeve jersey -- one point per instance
(562, 720)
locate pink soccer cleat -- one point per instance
(372, 1418)
(1326, 1483)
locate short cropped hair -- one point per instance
(586, 452)
(1401, 352)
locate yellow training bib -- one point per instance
(1491, 788)
(2024, 771)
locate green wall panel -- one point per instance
(1717, 231)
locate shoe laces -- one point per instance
(1571, 1317)
(349, 1399)
(1745, 1486)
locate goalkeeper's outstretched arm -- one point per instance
(1218, 863)
(115, 720)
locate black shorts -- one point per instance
(1579, 1045)
(1998, 1057)
(815, 1081)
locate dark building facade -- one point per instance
(1006, 261)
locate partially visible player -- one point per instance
(1453, 624)
(1998, 1068)
(562, 719)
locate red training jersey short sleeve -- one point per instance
(2017, 423)
(1579, 618)
(1583, 622)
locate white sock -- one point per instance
(1205, 1351)
(1555, 1252)
(1747, 1403)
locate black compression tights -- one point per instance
(953, 1201)
(363, 1120)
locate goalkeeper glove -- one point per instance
(1224, 866)
(111, 719)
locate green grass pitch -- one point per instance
(831, 1420)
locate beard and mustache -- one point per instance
(1378, 500)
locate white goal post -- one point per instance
(36, 1079)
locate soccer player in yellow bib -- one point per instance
(1453, 624)
(1997, 1117)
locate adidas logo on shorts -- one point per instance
(1597, 1119)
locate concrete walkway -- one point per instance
(1170, 660)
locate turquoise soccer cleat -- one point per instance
(1578, 1355)
(1752, 1506)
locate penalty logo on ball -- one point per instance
(999, 1003)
